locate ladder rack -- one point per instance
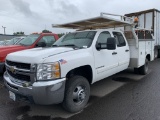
(101, 22)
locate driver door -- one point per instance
(106, 61)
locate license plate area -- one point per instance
(12, 96)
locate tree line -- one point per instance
(43, 31)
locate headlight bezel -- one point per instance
(45, 72)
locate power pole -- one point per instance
(4, 29)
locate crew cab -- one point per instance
(31, 41)
(64, 73)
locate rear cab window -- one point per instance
(120, 41)
(49, 40)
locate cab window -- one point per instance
(49, 40)
(103, 37)
(119, 39)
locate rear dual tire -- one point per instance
(158, 53)
(143, 70)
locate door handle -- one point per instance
(114, 53)
(126, 50)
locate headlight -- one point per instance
(48, 71)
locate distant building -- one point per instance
(7, 37)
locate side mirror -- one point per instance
(98, 46)
(111, 43)
(41, 44)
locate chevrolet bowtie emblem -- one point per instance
(12, 69)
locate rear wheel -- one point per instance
(76, 94)
(144, 69)
(158, 53)
(155, 53)
(136, 70)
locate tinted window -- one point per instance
(49, 40)
(119, 39)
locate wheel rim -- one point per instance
(79, 95)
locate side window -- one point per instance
(119, 39)
(103, 37)
(49, 40)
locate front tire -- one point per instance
(76, 94)
(144, 69)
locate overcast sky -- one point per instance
(36, 15)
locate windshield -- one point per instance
(5, 42)
(29, 40)
(1, 42)
(12, 41)
(78, 39)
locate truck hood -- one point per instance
(36, 55)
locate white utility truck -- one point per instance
(64, 73)
(150, 19)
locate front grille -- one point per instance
(19, 76)
(19, 65)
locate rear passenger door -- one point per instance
(123, 52)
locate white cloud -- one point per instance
(32, 16)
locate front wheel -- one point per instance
(144, 69)
(76, 94)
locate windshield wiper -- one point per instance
(67, 45)
(54, 45)
(70, 45)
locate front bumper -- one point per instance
(44, 93)
(2, 67)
